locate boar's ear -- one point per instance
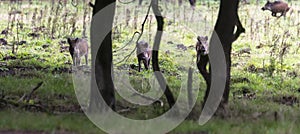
(69, 41)
(197, 46)
(206, 38)
(147, 44)
(268, 2)
(77, 39)
(198, 38)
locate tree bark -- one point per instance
(103, 63)
(227, 20)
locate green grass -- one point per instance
(53, 84)
(279, 80)
(28, 121)
(244, 115)
(229, 126)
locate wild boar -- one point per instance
(78, 48)
(143, 53)
(202, 49)
(276, 7)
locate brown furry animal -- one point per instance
(202, 48)
(143, 53)
(202, 55)
(276, 7)
(78, 48)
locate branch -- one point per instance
(122, 2)
(159, 76)
(147, 97)
(75, 4)
(240, 29)
(32, 91)
(140, 35)
(91, 5)
(60, 3)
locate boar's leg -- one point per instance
(139, 64)
(86, 59)
(74, 60)
(146, 64)
(78, 60)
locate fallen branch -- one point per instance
(27, 97)
(32, 91)
(149, 98)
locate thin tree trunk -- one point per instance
(155, 66)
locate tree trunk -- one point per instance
(227, 20)
(103, 62)
(224, 28)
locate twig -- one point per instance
(126, 2)
(74, 4)
(91, 4)
(140, 35)
(22, 98)
(238, 24)
(123, 110)
(134, 93)
(126, 109)
(32, 91)
(136, 32)
(60, 3)
(147, 97)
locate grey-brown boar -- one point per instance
(78, 48)
(143, 53)
(202, 49)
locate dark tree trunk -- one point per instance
(155, 66)
(225, 28)
(227, 20)
(103, 62)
